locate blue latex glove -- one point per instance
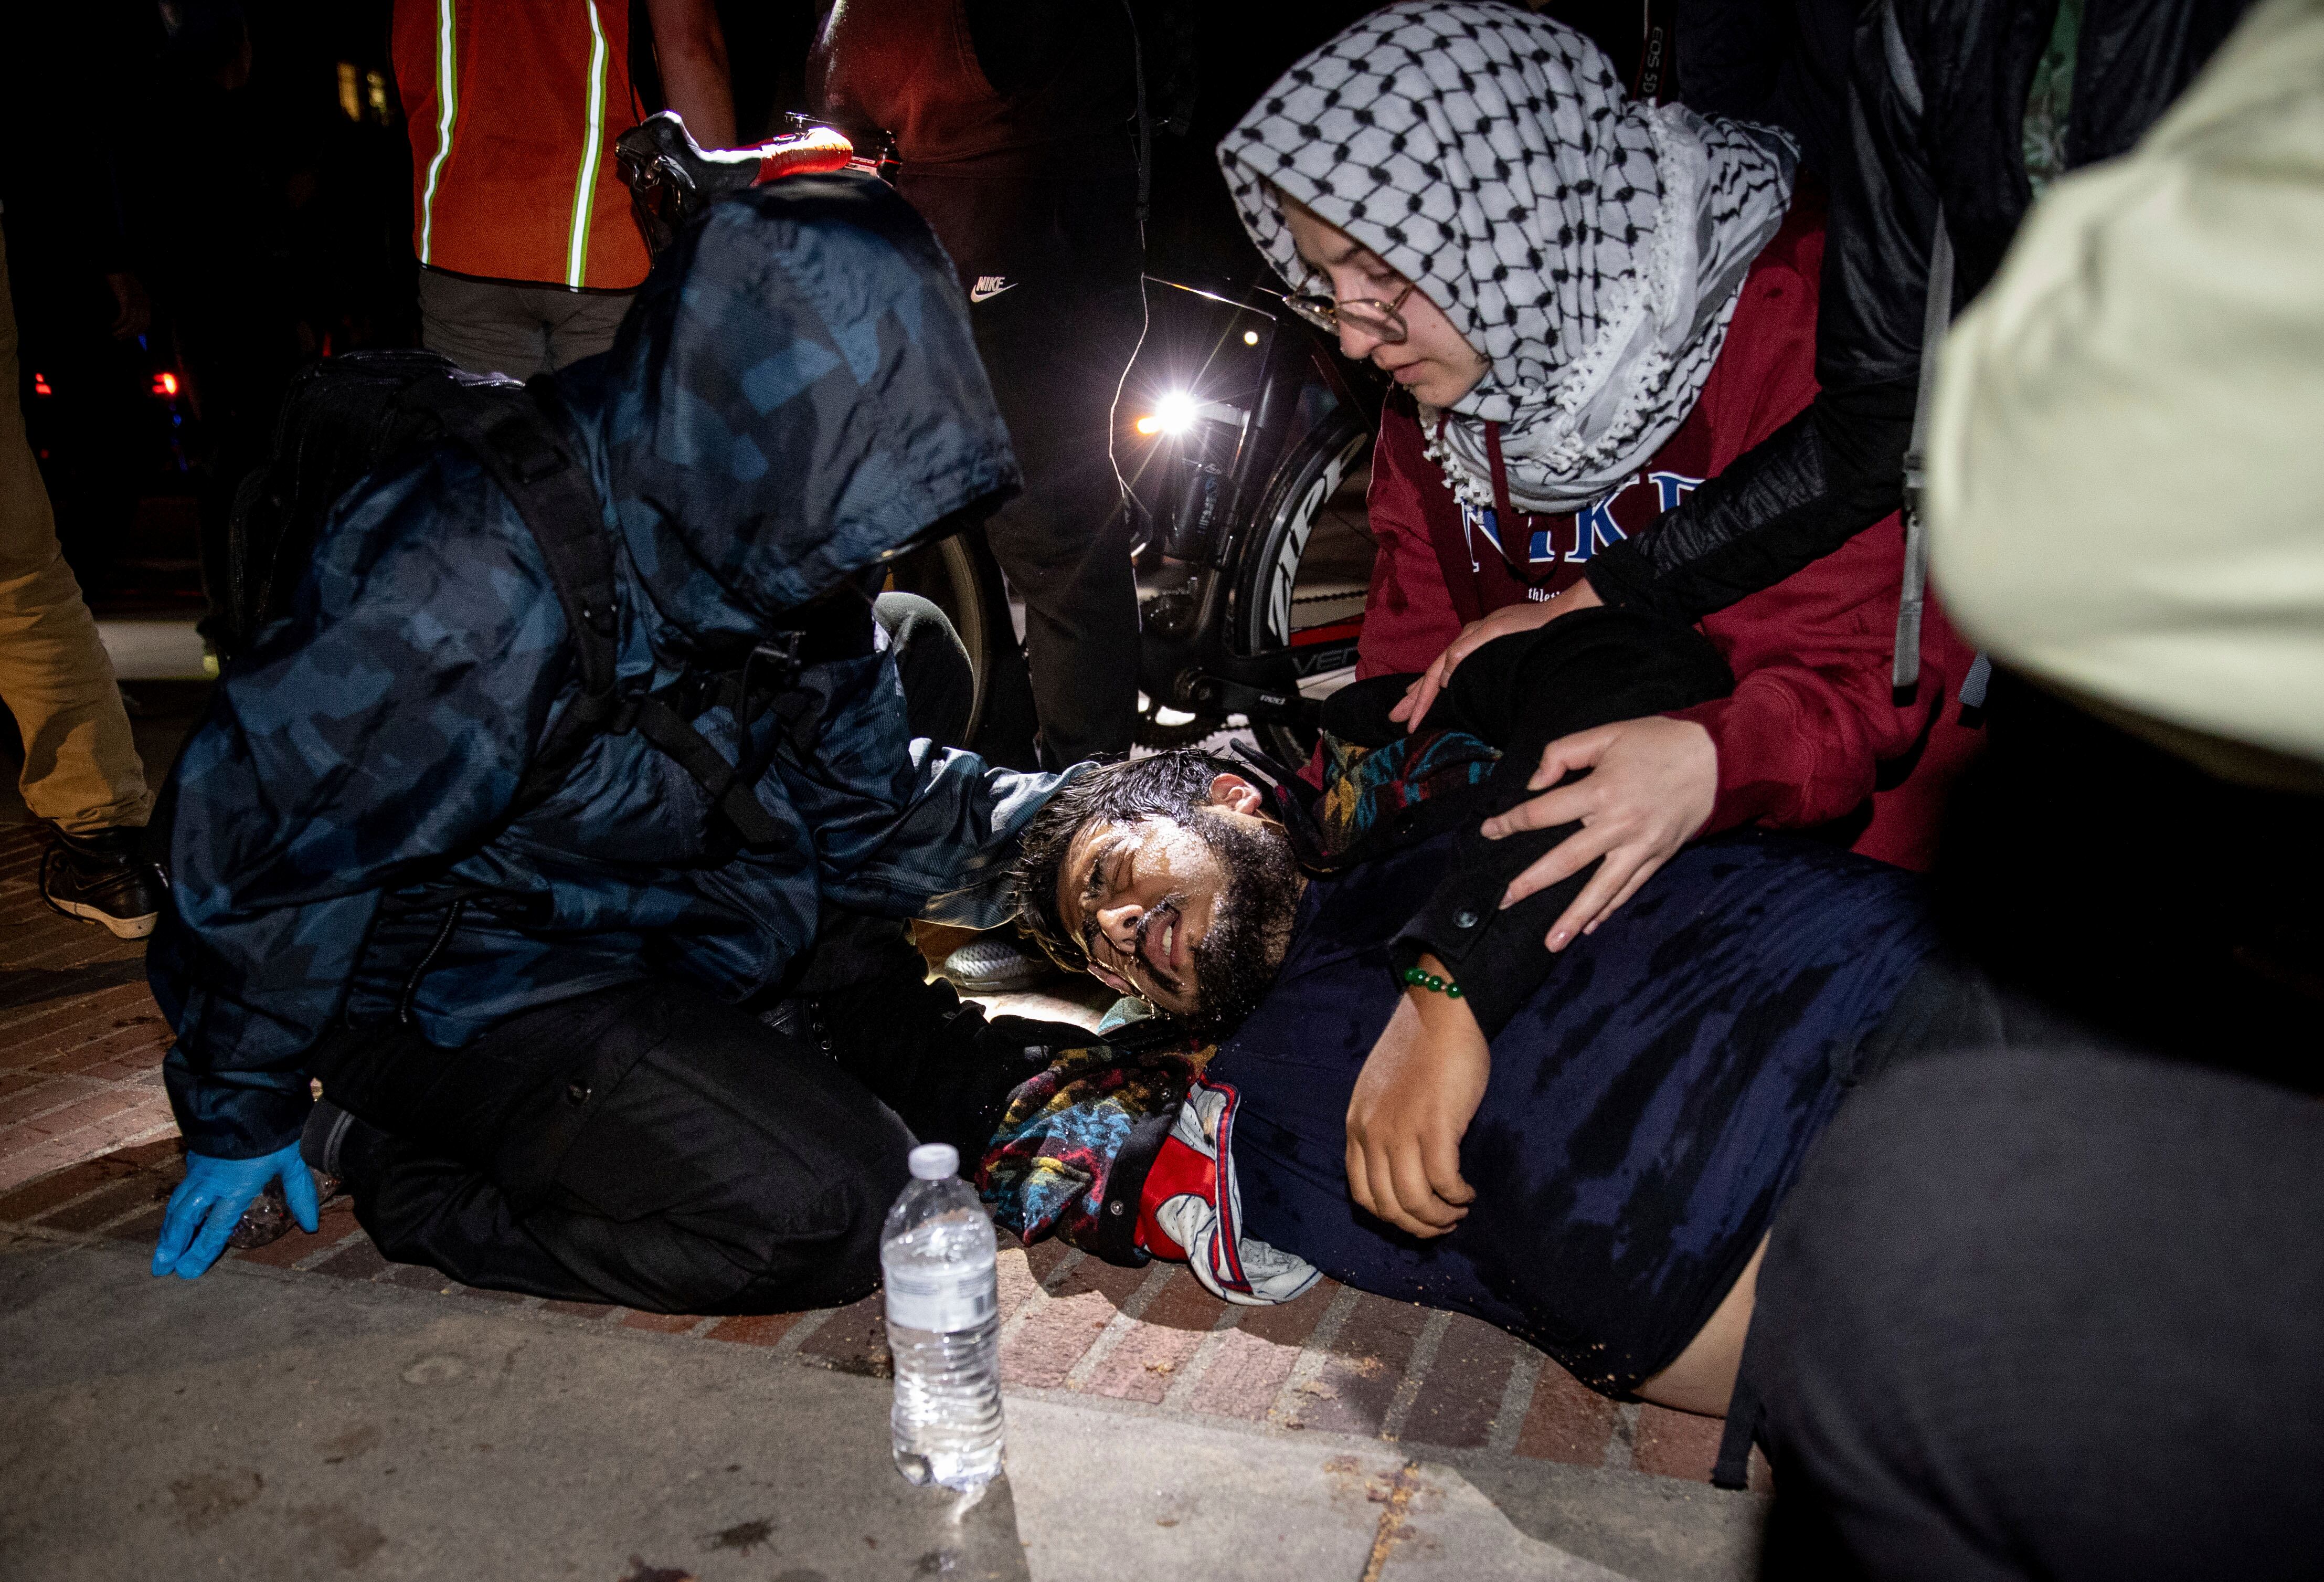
(211, 1200)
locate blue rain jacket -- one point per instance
(794, 397)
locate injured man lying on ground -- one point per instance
(1587, 1150)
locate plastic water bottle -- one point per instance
(944, 1325)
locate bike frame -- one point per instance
(1188, 658)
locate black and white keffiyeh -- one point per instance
(1590, 248)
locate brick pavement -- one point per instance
(87, 1150)
(81, 1039)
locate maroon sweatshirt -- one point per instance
(1811, 735)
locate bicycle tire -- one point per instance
(1267, 580)
(959, 578)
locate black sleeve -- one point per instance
(1836, 468)
(1521, 693)
(1498, 958)
(1884, 219)
(1793, 498)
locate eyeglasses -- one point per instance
(1366, 316)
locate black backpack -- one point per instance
(348, 415)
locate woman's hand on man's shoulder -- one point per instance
(1652, 785)
(1508, 619)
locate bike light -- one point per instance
(1178, 412)
(1173, 414)
(165, 383)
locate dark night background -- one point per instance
(245, 168)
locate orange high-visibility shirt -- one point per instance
(513, 107)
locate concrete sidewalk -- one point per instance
(308, 1406)
(264, 1423)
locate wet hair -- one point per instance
(1167, 785)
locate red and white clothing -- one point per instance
(1812, 733)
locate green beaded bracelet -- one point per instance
(1432, 983)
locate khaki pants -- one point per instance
(81, 767)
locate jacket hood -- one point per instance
(794, 397)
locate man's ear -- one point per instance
(1237, 795)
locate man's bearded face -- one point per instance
(1192, 915)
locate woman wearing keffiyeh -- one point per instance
(1590, 305)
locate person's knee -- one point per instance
(911, 621)
(939, 682)
(876, 1185)
(839, 1262)
(1999, 1270)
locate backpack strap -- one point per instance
(520, 444)
(727, 785)
(523, 446)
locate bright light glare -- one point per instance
(1175, 413)
(1251, 337)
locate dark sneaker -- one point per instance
(101, 878)
(996, 964)
(335, 1145)
(324, 1138)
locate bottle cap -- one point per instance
(936, 1162)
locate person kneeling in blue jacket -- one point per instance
(528, 994)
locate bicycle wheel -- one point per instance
(1304, 579)
(959, 577)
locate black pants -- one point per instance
(645, 1146)
(1055, 341)
(2049, 1313)
(1520, 693)
(650, 1146)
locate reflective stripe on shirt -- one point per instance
(447, 115)
(585, 188)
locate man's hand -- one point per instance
(1413, 1100)
(211, 1198)
(1652, 785)
(1422, 694)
